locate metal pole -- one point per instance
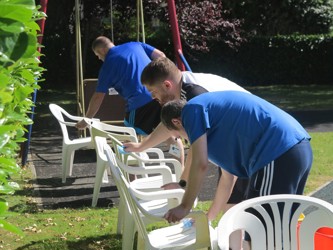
(175, 33)
(137, 21)
(111, 20)
(79, 74)
(142, 23)
(25, 146)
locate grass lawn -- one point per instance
(95, 228)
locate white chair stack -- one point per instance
(116, 134)
(279, 229)
(177, 236)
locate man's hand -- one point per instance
(81, 124)
(176, 214)
(132, 147)
(171, 185)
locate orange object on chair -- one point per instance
(324, 239)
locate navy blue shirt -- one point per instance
(122, 70)
(244, 132)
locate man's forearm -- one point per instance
(94, 104)
(159, 135)
(198, 169)
(222, 194)
(187, 166)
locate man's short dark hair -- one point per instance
(100, 42)
(158, 71)
(171, 110)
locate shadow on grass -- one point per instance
(105, 242)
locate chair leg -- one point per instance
(128, 231)
(100, 172)
(105, 176)
(121, 214)
(140, 243)
(67, 163)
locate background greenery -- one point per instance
(251, 42)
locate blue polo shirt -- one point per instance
(244, 132)
(122, 70)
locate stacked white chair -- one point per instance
(178, 236)
(279, 229)
(116, 134)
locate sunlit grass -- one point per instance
(86, 228)
(297, 97)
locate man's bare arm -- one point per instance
(198, 171)
(156, 54)
(94, 105)
(222, 194)
(159, 135)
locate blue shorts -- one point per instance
(145, 118)
(285, 175)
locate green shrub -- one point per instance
(272, 60)
(284, 16)
(19, 73)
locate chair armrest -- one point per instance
(77, 119)
(156, 151)
(69, 124)
(176, 164)
(202, 226)
(159, 194)
(165, 171)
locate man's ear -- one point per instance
(177, 122)
(167, 84)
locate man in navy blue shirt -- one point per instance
(247, 137)
(121, 70)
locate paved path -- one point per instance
(45, 160)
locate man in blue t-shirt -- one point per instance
(121, 70)
(247, 137)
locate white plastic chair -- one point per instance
(156, 202)
(69, 146)
(125, 134)
(142, 168)
(121, 133)
(138, 159)
(281, 231)
(177, 236)
(102, 129)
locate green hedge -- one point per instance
(271, 60)
(19, 73)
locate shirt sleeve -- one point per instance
(148, 49)
(195, 121)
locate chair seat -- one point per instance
(149, 183)
(81, 141)
(177, 235)
(172, 236)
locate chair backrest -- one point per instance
(200, 238)
(273, 221)
(122, 133)
(124, 188)
(59, 114)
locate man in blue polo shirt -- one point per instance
(121, 70)
(247, 137)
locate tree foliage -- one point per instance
(283, 17)
(201, 22)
